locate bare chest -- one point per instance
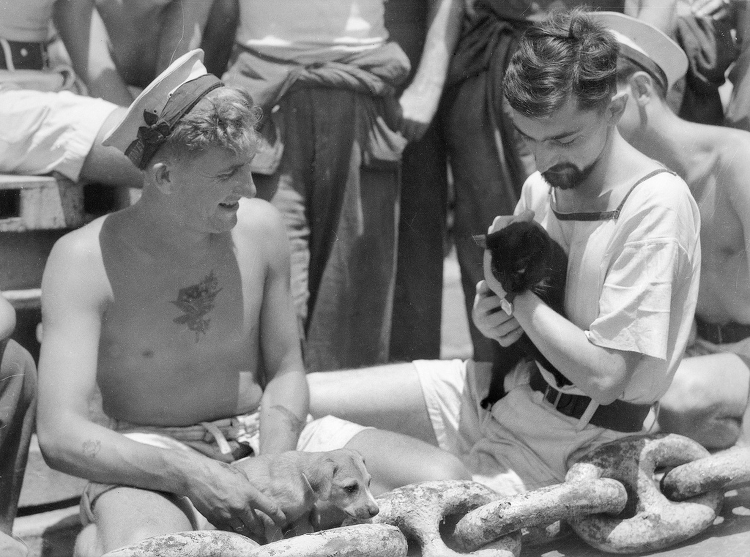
(182, 319)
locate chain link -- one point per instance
(729, 469)
(650, 520)
(539, 507)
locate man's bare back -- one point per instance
(180, 339)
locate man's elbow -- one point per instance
(52, 444)
(607, 389)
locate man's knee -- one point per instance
(124, 516)
(694, 406)
(444, 467)
(88, 543)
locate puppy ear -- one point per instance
(322, 483)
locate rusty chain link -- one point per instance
(650, 521)
(726, 470)
(539, 507)
(610, 497)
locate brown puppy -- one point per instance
(296, 480)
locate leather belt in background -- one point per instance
(621, 416)
(725, 333)
(19, 55)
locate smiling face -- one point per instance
(207, 187)
(567, 144)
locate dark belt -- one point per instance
(20, 55)
(617, 416)
(725, 333)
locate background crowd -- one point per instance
(384, 136)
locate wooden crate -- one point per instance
(39, 202)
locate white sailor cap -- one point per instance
(646, 46)
(153, 115)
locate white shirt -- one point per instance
(307, 31)
(632, 282)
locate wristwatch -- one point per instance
(507, 303)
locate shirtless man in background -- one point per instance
(179, 308)
(147, 35)
(709, 394)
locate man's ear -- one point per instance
(617, 107)
(162, 177)
(642, 87)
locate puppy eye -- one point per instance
(351, 488)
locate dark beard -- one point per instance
(566, 176)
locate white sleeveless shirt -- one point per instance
(311, 31)
(25, 20)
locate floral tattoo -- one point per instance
(195, 302)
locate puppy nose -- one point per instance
(373, 510)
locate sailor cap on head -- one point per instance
(646, 46)
(153, 115)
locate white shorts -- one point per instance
(48, 132)
(521, 444)
(324, 434)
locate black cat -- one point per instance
(525, 257)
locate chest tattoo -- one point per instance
(195, 302)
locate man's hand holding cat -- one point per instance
(491, 320)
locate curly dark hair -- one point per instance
(226, 117)
(567, 54)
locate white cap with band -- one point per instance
(646, 46)
(152, 116)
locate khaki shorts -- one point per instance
(45, 132)
(324, 434)
(521, 444)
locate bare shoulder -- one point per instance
(733, 162)
(734, 145)
(260, 231)
(75, 263)
(257, 218)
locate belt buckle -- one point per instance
(547, 391)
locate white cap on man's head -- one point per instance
(154, 113)
(646, 45)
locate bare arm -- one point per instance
(75, 295)
(286, 400)
(659, 13)
(87, 43)
(7, 318)
(419, 101)
(739, 192)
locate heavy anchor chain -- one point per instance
(726, 470)
(539, 507)
(650, 521)
(609, 497)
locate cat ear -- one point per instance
(480, 240)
